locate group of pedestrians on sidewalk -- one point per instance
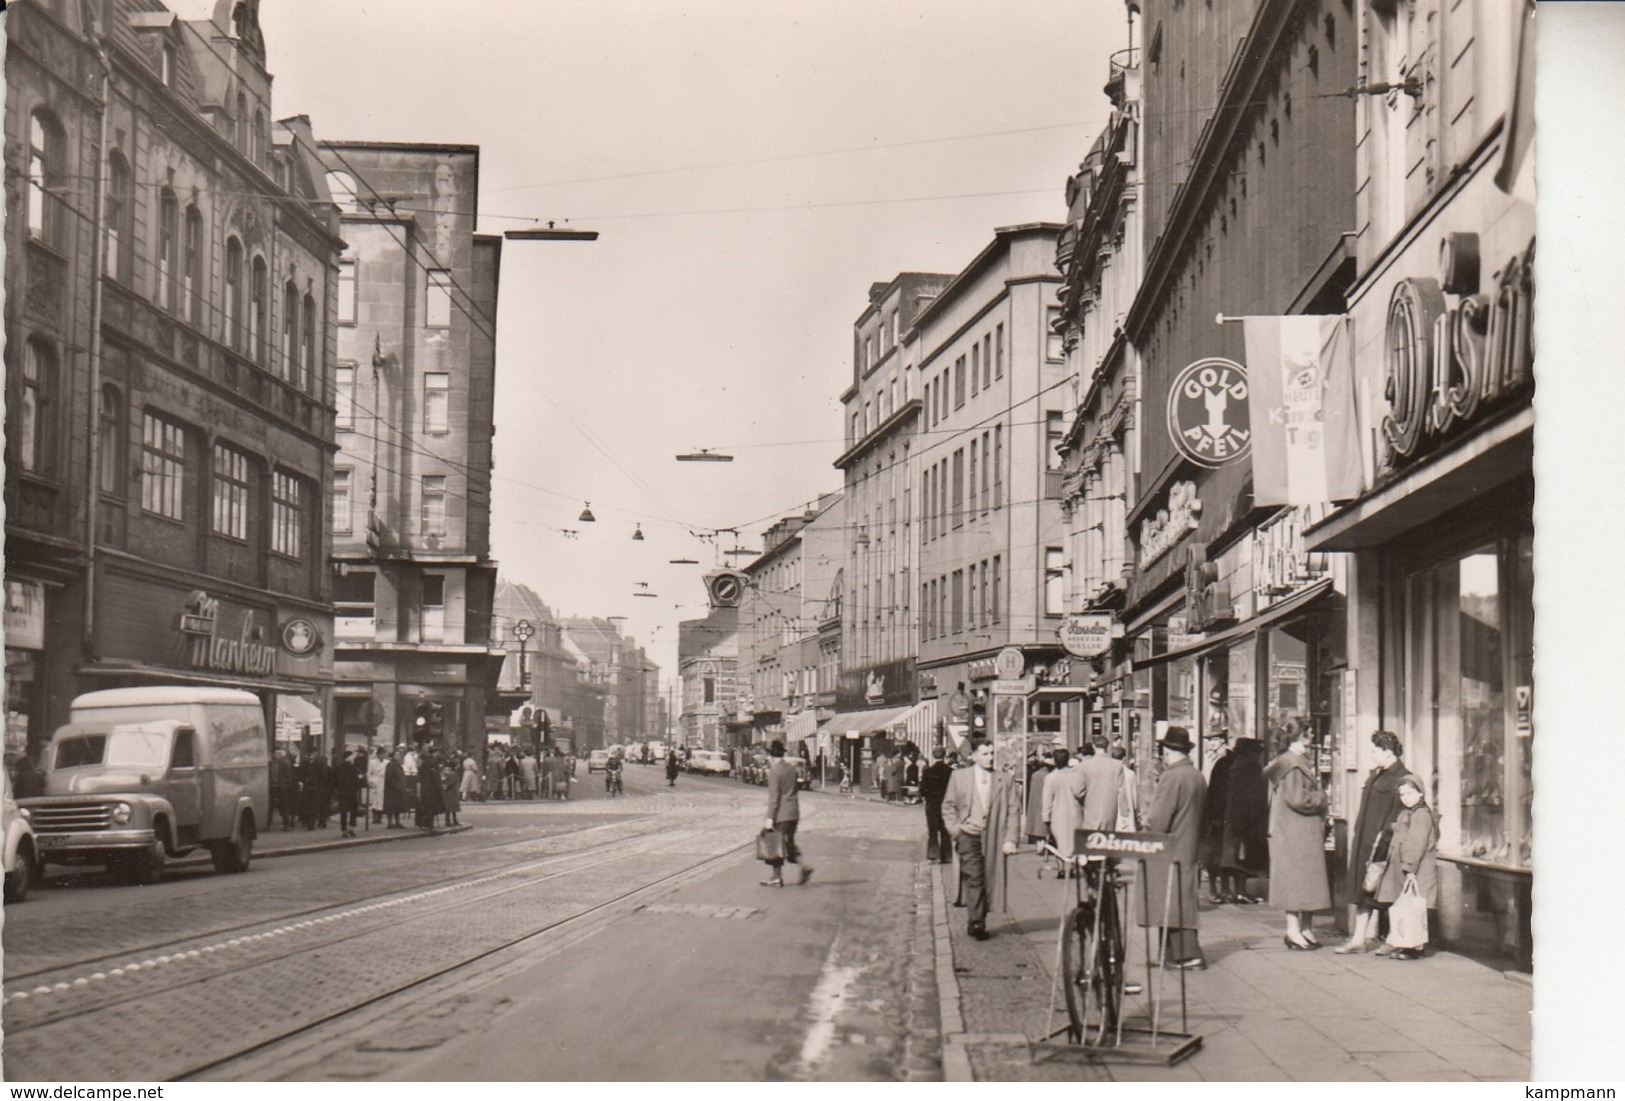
(1252, 821)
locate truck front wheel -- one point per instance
(233, 855)
(147, 866)
(21, 878)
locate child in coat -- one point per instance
(1413, 854)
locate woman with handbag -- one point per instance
(1297, 846)
(1379, 806)
(1410, 884)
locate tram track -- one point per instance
(296, 984)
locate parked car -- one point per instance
(23, 868)
(597, 760)
(140, 775)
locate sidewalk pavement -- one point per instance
(1264, 1013)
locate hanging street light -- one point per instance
(550, 232)
(704, 455)
(586, 516)
(637, 533)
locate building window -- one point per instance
(242, 122)
(192, 271)
(347, 282)
(708, 690)
(972, 493)
(434, 607)
(345, 396)
(975, 368)
(987, 361)
(110, 445)
(120, 210)
(44, 178)
(959, 487)
(1054, 433)
(998, 466)
(28, 437)
(1052, 337)
(986, 464)
(959, 382)
(343, 524)
(258, 138)
(437, 404)
(230, 492)
(355, 604)
(290, 331)
(234, 294)
(307, 346)
(998, 351)
(1054, 582)
(998, 584)
(437, 314)
(259, 314)
(169, 292)
(166, 66)
(163, 466)
(433, 514)
(287, 515)
(958, 599)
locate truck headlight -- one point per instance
(25, 814)
(121, 814)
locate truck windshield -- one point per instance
(120, 747)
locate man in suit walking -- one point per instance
(980, 815)
(1099, 788)
(783, 813)
(939, 846)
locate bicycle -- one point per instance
(1093, 965)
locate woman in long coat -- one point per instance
(493, 773)
(395, 790)
(1033, 821)
(1210, 842)
(1297, 849)
(1244, 843)
(470, 788)
(431, 802)
(1176, 808)
(1379, 806)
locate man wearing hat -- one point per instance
(783, 815)
(1176, 810)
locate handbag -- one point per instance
(1377, 865)
(770, 846)
(1408, 918)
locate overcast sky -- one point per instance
(753, 168)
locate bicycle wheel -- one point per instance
(1111, 964)
(1076, 965)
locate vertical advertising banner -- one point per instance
(1306, 447)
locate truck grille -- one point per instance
(72, 817)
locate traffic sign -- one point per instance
(1023, 686)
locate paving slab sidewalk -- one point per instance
(1264, 1013)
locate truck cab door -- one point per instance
(185, 785)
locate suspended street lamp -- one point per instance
(704, 455)
(586, 516)
(637, 533)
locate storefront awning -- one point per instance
(1297, 602)
(919, 724)
(856, 724)
(1464, 474)
(801, 725)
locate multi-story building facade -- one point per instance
(170, 283)
(1441, 541)
(1101, 257)
(626, 676)
(411, 488)
(992, 556)
(785, 601)
(538, 672)
(882, 409)
(708, 678)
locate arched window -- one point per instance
(110, 447)
(44, 178)
(169, 294)
(192, 270)
(28, 436)
(259, 329)
(120, 214)
(289, 366)
(234, 294)
(307, 347)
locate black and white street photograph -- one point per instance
(861, 541)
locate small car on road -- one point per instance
(598, 760)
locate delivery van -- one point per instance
(142, 775)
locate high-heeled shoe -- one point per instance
(1352, 947)
(1295, 946)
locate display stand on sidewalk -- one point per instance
(1091, 956)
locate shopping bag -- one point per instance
(1408, 918)
(770, 846)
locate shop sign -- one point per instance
(1141, 846)
(1086, 636)
(1207, 412)
(1159, 534)
(1023, 686)
(884, 685)
(1523, 697)
(206, 647)
(1447, 364)
(25, 614)
(1180, 635)
(300, 636)
(982, 669)
(1280, 564)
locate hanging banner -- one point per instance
(1306, 446)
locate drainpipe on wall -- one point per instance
(98, 254)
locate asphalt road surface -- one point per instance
(600, 939)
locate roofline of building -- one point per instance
(418, 146)
(1002, 237)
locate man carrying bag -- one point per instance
(783, 813)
